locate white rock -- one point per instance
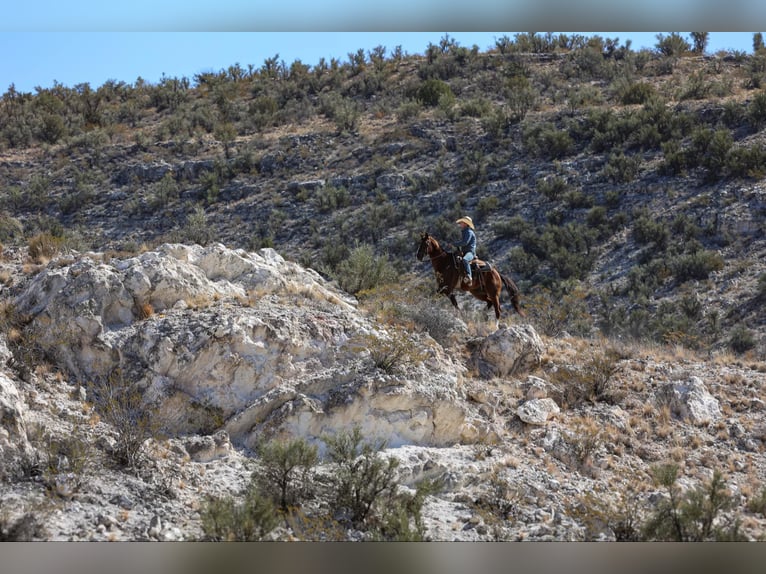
(537, 411)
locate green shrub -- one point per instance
(636, 93)
(285, 471)
(672, 45)
(741, 339)
(621, 168)
(648, 229)
(363, 270)
(402, 519)
(693, 516)
(431, 92)
(697, 265)
(226, 520)
(551, 187)
(756, 110)
(363, 481)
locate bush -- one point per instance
(432, 91)
(741, 339)
(637, 93)
(44, 246)
(391, 352)
(285, 470)
(697, 265)
(121, 404)
(363, 481)
(225, 520)
(591, 382)
(363, 270)
(672, 45)
(694, 516)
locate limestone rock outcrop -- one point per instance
(249, 340)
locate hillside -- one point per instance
(228, 245)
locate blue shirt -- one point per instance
(468, 241)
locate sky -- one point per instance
(38, 59)
(93, 41)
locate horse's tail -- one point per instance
(513, 290)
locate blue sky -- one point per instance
(32, 59)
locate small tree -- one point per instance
(285, 470)
(362, 479)
(700, 42)
(672, 45)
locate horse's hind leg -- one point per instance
(496, 304)
(454, 300)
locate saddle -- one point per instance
(476, 264)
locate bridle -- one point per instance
(430, 247)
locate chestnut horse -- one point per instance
(487, 282)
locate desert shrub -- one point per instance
(697, 87)
(746, 162)
(546, 140)
(757, 504)
(621, 168)
(650, 230)
(330, 198)
(196, 229)
(589, 382)
(65, 452)
(675, 158)
(362, 270)
(551, 187)
(431, 92)
(756, 110)
(554, 312)
(584, 438)
(760, 292)
(363, 481)
(408, 110)
(672, 45)
(402, 519)
(696, 265)
(10, 228)
(430, 317)
(521, 97)
(636, 93)
(389, 352)
(285, 471)
(121, 404)
(44, 246)
(693, 516)
(224, 519)
(476, 108)
(24, 529)
(741, 339)
(620, 515)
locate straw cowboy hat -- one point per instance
(467, 220)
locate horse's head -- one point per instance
(428, 246)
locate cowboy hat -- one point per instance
(467, 220)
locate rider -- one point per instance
(468, 243)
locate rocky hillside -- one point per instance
(524, 437)
(196, 271)
(627, 183)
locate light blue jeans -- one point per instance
(467, 257)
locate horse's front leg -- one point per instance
(454, 300)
